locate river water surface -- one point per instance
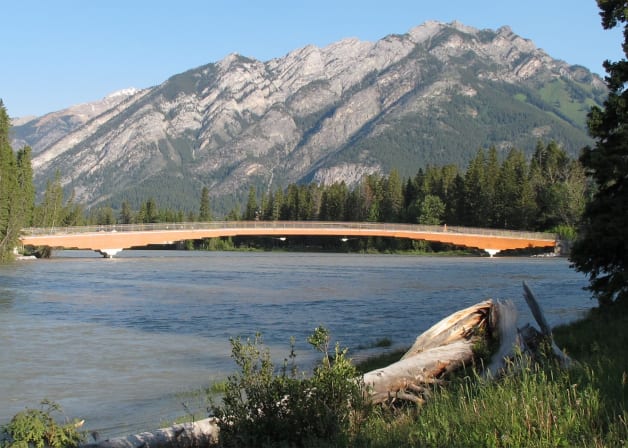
(123, 343)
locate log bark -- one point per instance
(466, 324)
(446, 346)
(192, 435)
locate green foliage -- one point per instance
(601, 252)
(37, 428)
(16, 189)
(265, 407)
(432, 210)
(50, 212)
(531, 406)
(251, 211)
(204, 211)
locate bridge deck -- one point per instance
(123, 236)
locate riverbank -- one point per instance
(540, 406)
(535, 405)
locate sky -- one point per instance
(55, 54)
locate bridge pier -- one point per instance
(108, 253)
(491, 252)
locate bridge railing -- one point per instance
(278, 225)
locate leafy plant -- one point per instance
(37, 428)
(265, 407)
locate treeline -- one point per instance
(543, 193)
(17, 194)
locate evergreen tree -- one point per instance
(25, 186)
(148, 212)
(278, 205)
(333, 202)
(16, 189)
(73, 214)
(475, 203)
(602, 248)
(513, 194)
(263, 206)
(251, 211)
(491, 175)
(126, 214)
(454, 206)
(204, 213)
(312, 201)
(49, 213)
(105, 216)
(353, 206)
(8, 188)
(432, 210)
(371, 197)
(392, 200)
(292, 203)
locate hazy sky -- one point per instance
(56, 53)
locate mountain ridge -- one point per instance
(318, 114)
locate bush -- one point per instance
(262, 407)
(36, 428)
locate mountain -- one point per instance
(434, 95)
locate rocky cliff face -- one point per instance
(433, 95)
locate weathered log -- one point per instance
(466, 324)
(546, 331)
(508, 335)
(446, 346)
(193, 434)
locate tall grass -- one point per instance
(533, 405)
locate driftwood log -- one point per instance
(192, 435)
(445, 347)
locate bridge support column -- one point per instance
(491, 252)
(108, 253)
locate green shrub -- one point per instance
(264, 407)
(36, 428)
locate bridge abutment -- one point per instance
(492, 252)
(108, 253)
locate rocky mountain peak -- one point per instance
(432, 95)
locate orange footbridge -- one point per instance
(109, 240)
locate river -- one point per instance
(124, 343)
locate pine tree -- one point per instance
(475, 197)
(126, 214)
(602, 248)
(49, 213)
(392, 200)
(251, 211)
(204, 212)
(8, 185)
(16, 189)
(25, 186)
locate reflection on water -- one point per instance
(117, 342)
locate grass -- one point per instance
(536, 405)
